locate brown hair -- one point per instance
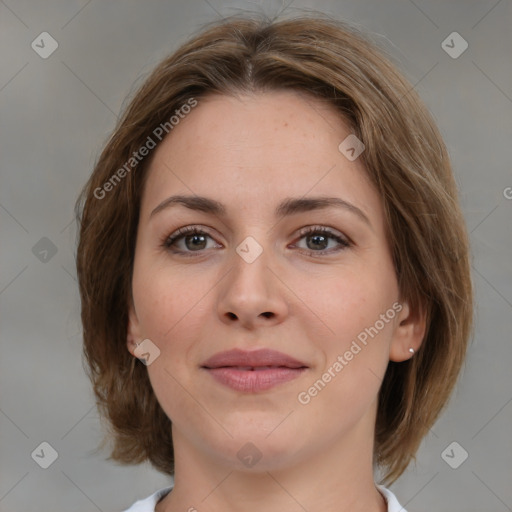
(405, 159)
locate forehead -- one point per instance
(258, 125)
(258, 148)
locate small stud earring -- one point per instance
(411, 350)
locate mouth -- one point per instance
(252, 368)
(253, 371)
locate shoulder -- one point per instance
(393, 504)
(148, 504)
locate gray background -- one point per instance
(55, 115)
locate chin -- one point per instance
(254, 450)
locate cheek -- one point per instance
(360, 315)
(358, 309)
(170, 307)
(350, 301)
(166, 299)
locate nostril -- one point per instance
(267, 314)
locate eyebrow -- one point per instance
(289, 206)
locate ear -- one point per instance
(133, 334)
(409, 332)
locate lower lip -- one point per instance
(250, 381)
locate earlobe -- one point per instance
(409, 333)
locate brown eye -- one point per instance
(195, 242)
(318, 239)
(187, 240)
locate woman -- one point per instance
(274, 272)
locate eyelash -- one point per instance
(169, 241)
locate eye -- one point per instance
(317, 240)
(193, 238)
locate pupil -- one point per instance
(195, 238)
(317, 238)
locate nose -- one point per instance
(251, 294)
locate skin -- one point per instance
(250, 153)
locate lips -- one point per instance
(254, 360)
(250, 372)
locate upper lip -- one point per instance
(255, 358)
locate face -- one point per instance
(311, 279)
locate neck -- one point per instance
(338, 478)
